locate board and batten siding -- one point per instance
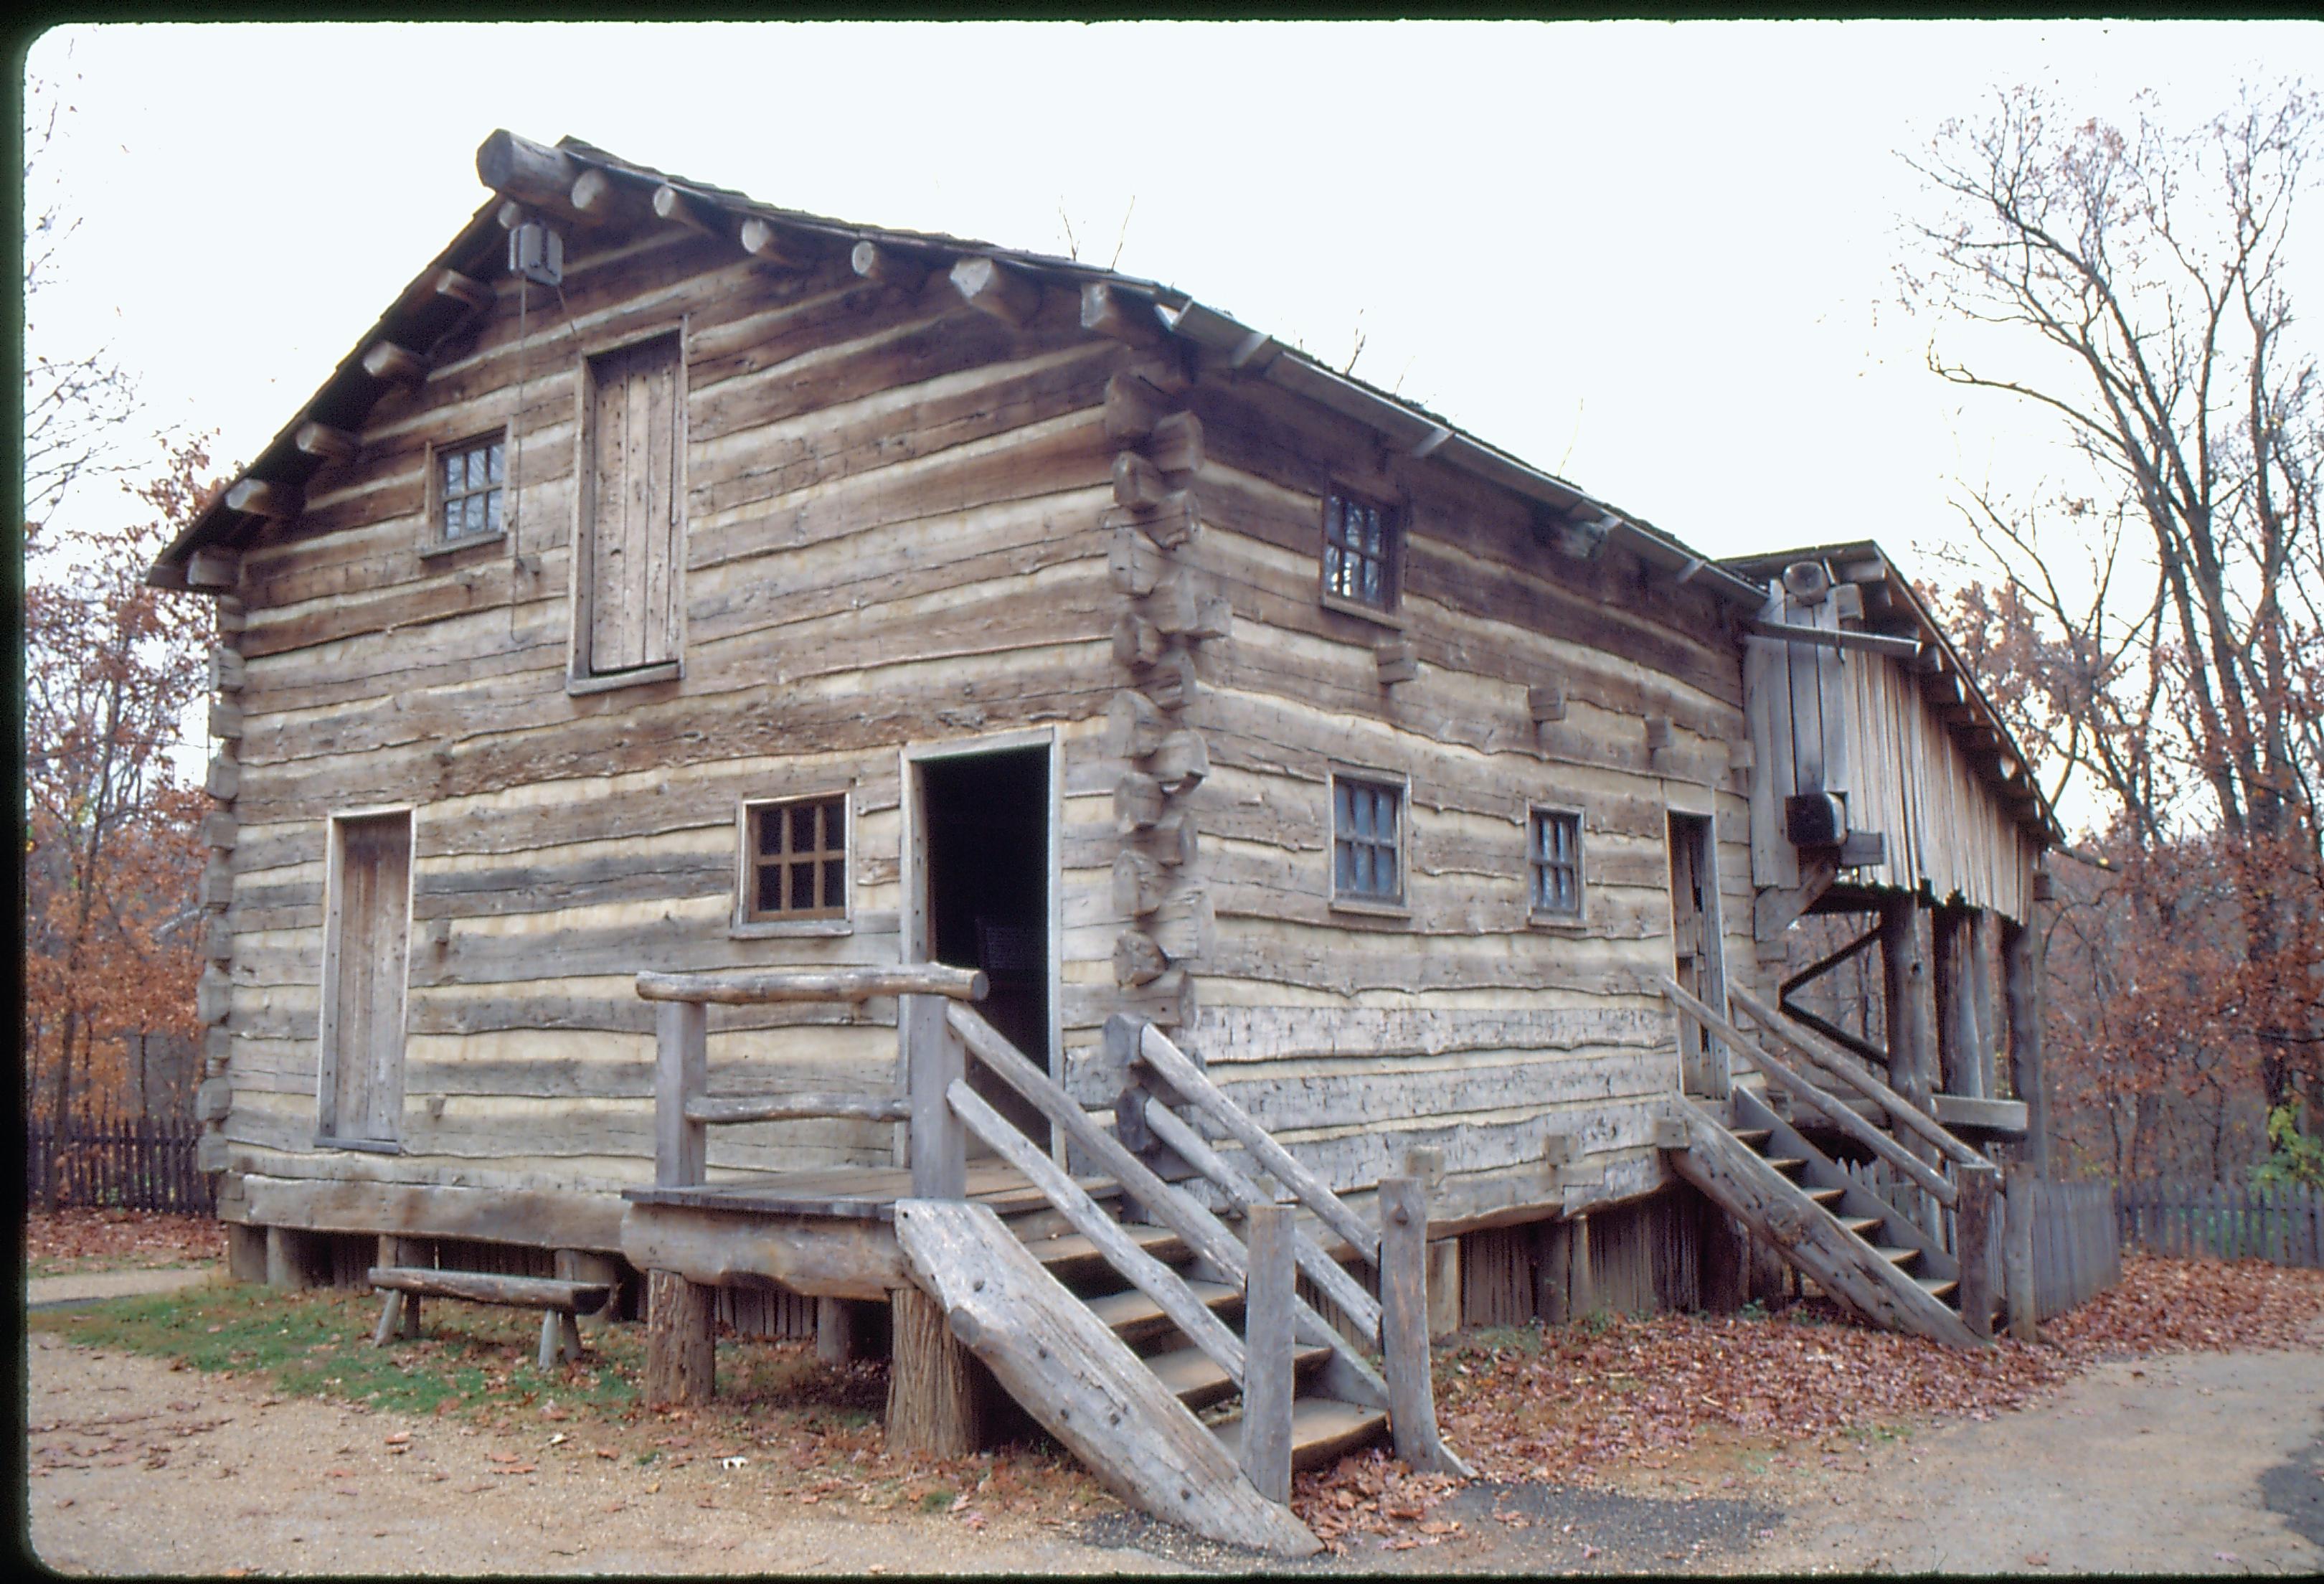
(1461, 1023)
(890, 505)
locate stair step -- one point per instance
(1135, 1317)
(1826, 1196)
(1785, 1162)
(1863, 1227)
(1753, 1136)
(1070, 1257)
(1196, 1377)
(1899, 1257)
(1322, 1428)
(1936, 1286)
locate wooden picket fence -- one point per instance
(2222, 1219)
(2077, 1244)
(147, 1164)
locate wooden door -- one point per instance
(632, 509)
(363, 1009)
(1694, 947)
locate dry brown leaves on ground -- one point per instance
(1637, 1392)
(90, 1239)
(2193, 1305)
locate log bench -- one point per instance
(559, 1301)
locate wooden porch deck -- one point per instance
(856, 1193)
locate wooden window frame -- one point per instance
(1398, 514)
(580, 678)
(745, 923)
(1535, 914)
(1400, 905)
(326, 1075)
(436, 541)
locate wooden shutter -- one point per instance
(362, 1058)
(636, 558)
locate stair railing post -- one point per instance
(934, 1060)
(1403, 1327)
(1270, 1292)
(681, 1067)
(1973, 1237)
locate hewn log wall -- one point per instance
(892, 506)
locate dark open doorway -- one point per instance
(985, 819)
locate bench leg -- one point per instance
(569, 1329)
(552, 1340)
(411, 1315)
(390, 1314)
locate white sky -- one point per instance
(1655, 258)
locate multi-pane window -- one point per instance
(1359, 552)
(468, 485)
(798, 865)
(1366, 865)
(1555, 853)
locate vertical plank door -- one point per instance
(370, 924)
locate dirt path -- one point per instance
(2195, 1463)
(2191, 1463)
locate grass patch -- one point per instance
(318, 1345)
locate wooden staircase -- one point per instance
(1174, 1357)
(1881, 1258)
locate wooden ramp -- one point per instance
(1073, 1373)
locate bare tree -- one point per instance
(2160, 608)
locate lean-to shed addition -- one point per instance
(773, 752)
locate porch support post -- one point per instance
(2021, 972)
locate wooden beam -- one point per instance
(469, 292)
(1912, 1054)
(884, 267)
(1138, 802)
(2021, 977)
(1132, 407)
(332, 444)
(598, 199)
(1546, 702)
(760, 987)
(1171, 682)
(1139, 883)
(520, 168)
(1181, 762)
(392, 365)
(763, 241)
(1903, 1112)
(1774, 911)
(1134, 563)
(1138, 484)
(796, 1108)
(262, 498)
(1138, 959)
(989, 286)
(211, 569)
(1174, 520)
(1976, 1244)
(1838, 638)
(679, 208)
(1184, 607)
(932, 1410)
(1122, 316)
(1134, 725)
(1394, 661)
(1175, 444)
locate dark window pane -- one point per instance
(834, 882)
(802, 888)
(834, 823)
(802, 828)
(771, 888)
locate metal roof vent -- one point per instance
(536, 253)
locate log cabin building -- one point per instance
(696, 669)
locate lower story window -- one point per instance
(1555, 851)
(798, 865)
(1366, 830)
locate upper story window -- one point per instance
(796, 865)
(1553, 843)
(1367, 841)
(468, 485)
(1362, 552)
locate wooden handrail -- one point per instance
(1140, 1269)
(759, 987)
(1203, 1232)
(1898, 1107)
(1328, 1275)
(1174, 1066)
(800, 1107)
(1937, 1185)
